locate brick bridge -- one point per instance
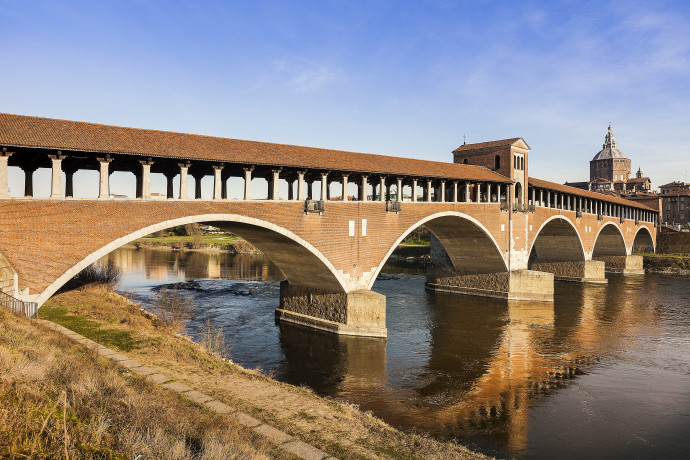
(330, 219)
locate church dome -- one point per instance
(610, 149)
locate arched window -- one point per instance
(497, 162)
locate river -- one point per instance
(604, 371)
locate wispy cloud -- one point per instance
(305, 76)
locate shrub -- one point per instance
(174, 308)
(97, 273)
(212, 340)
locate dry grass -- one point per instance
(109, 413)
(339, 429)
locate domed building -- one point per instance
(609, 165)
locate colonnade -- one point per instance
(569, 202)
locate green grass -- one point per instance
(123, 340)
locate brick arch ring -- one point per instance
(429, 218)
(334, 275)
(562, 218)
(643, 227)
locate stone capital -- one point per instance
(218, 167)
(249, 169)
(185, 165)
(105, 159)
(57, 156)
(147, 162)
(5, 153)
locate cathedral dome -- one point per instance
(610, 149)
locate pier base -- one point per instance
(627, 265)
(587, 271)
(361, 313)
(515, 285)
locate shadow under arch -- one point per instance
(556, 241)
(471, 248)
(300, 262)
(643, 243)
(609, 242)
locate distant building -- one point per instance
(609, 171)
(676, 207)
(673, 186)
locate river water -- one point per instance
(603, 372)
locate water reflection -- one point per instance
(509, 378)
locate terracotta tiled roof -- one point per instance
(36, 132)
(679, 192)
(585, 193)
(483, 145)
(635, 180)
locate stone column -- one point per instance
(56, 178)
(300, 186)
(145, 178)
(104, 189)
(69, 182)
(217, 189)
(479, 192)
(455, 191)
(382, 195)
(489, 198)
(170, 192)
(291, 193)
(414, 190)
(4, 183)
(29, 180)
(224, 188)
(399, 189)
(274, 184)
(443, 191)
(534, 197)
(468, 198)
(310, 189)
(428, 190)
(248, 183)
(184, 167)
(363, 195)
(345, 177)
(324, 186)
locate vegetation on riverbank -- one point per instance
(667, 263)
(59, 399)
(337, 428)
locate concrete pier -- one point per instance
(514, 285)
(361, 312)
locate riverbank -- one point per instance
(211, 242)
(337, 428)
(678, 264)
(60, 399)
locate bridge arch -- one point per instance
(643, 241)
(557, 240)
(299, 261)
(463, 237)
(609, 242)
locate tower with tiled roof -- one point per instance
(610, 163)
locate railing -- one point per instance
(19, 307)
(393, 206)
(314, 206)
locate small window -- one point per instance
(682, 207)
(497, 162)
(668, 207)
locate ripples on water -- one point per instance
(604, 371)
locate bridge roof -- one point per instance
(48, 133)
(586, 194)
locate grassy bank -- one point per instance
(337, 428)
(674, 263)
(59, 399)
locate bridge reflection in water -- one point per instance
(456, 367)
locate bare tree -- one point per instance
(174, 308)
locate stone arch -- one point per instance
(557, 240)
(465, 240)
(643, 241)
(299, 261)
(609, 242)
(518, 193)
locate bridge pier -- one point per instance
(627, 265)
(514, 285)
(583, 271)
(361, 313)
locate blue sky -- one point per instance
(406, 78)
